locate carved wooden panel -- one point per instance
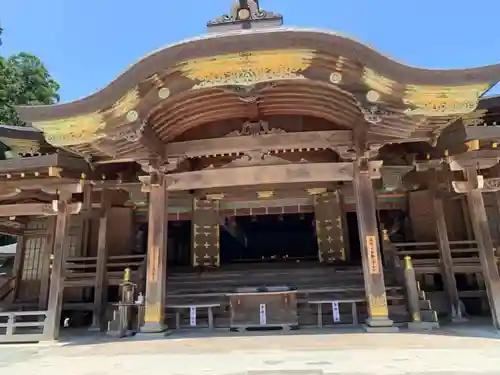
(205, 233)
(329, 227)
(422, 217)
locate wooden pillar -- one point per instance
(378, 311)
(53, 320)
(482, 235)
(86, 219)
(329, 227)
(156, 279)
(205, 249)
(101, 277)
(17, 269)
(46, 262)
(450, 283)
(468, 225)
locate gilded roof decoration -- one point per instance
(443, 100)
(248, 68)
(377, 82)
(21, 146)
(475, 118)
(85, 128)
(125, 104)
(72, 131)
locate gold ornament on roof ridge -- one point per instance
(443, 100)
(249, 68)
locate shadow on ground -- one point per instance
(474, 328)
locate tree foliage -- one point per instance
(23, 80)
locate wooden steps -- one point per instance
(312, 281)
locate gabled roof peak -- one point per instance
(244, 15)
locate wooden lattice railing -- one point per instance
(426, 259)
(22, 326)
(81, 271)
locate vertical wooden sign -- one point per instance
(373, 259)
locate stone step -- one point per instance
(429, 316)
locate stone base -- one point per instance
(153, 328)
(423, 326)
(380, 325)
(390, 329)
(458, 319)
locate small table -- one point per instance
(263, 308)
(208, 306)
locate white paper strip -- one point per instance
(335, 311)
(262, 317)
(192, 316)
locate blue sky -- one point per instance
(85, 44)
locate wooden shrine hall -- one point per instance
(252, 162)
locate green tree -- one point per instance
(23, 80)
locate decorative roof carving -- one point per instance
(255, 128)
(252, 158)
(245, 14)
(247, 68)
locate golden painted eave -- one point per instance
(280, 38)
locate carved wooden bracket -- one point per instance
(478, 159)
(392, 176)
(155, 180)
(259, 127)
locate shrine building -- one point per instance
(256, 176)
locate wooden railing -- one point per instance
(7, 287)
(22, 326)
(426, 258)
(81, 271)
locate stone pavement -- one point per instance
(308, 352)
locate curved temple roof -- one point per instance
(290, 70)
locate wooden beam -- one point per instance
(269, 142)
(485, 246)
(150, 140)
(266, 174)
(378, 312)
(450, 282)
(18, 268)
(46, 260)
(86, 220)
(156, 277)
(488, 133)
(53, 320)
(11, 231)
(33, 209)
(64, 161)
(101, 287)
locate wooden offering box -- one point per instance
(263, 307)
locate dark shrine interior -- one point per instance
(269, 238)
(257, 239)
